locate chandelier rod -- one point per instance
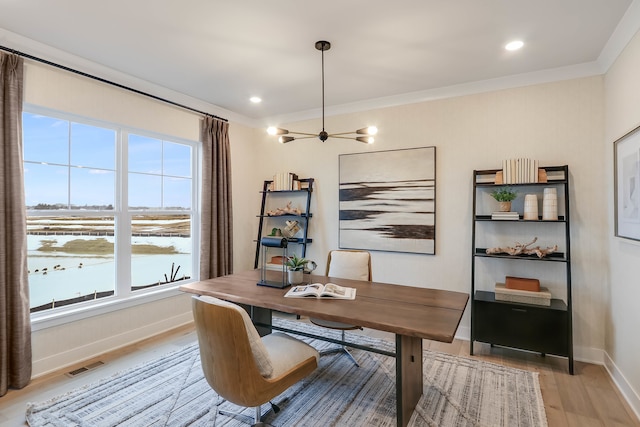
(322, 50)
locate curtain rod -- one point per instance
(100, 79)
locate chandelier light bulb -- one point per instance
(365, 139)
(285, 139)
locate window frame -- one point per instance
(124, 297)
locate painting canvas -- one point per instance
(387, 200)
(627, 182)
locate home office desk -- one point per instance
(410, 313)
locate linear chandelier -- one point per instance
(358, 135)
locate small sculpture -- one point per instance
(291, 229)
(287, 210)
(520, 249)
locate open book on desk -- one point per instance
(318, 290)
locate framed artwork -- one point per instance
(388, 200)
(626, 160)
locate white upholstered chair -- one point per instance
(239, 365)
(345, 264)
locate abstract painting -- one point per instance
(627, 185)
(388, 200)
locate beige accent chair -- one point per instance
(239, 365)
(345, 264)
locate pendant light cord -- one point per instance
(323, 89)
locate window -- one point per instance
(110, 210)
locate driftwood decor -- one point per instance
(524, 249)
(287, 210)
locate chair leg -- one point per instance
(341, 349)
(256, 420)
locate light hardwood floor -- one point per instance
(588, 398)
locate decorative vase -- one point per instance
(504, 206)
(295, 277)
(530, 207)
(550, 204)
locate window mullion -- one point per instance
(123, 220)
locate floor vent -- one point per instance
(84, 369)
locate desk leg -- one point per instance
(262, 316)
(408, 376)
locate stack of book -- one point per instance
(519, 171)
(508, 216)
(284, 181)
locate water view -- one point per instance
(72, 258)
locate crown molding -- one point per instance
(518, 80)
(621, 36)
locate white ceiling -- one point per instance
(383, 52)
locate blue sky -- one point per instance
(67, 161)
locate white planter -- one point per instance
(295, 277)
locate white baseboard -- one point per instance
(59, 361)
(631, 396)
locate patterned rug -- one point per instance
(172, 391)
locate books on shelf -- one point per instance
(318, 290)
(285, 181)
(519, 171)
(512, 216)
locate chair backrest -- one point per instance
(234, 359)
(349, 264)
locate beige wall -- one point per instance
(622, 105)
(557, 123)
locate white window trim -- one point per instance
(124, 297)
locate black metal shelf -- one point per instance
(302, 215)
(528, 221)
(305, 216)
(544, 329)
(490, 297)
(299, 240)
(552, 257)
(524, 184)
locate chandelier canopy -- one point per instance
(362, 135)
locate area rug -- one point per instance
(172, 391)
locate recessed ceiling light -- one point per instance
(255, 99)
(514, 45)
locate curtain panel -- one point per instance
(15, 322)
(216, 237)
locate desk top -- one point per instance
(418, 312)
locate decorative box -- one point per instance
(543, 297)
(522, 284)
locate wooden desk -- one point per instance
(410, 313)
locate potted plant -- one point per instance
(504, 196)
(295, 267)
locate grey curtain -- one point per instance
(216, 247)
(15, 322)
